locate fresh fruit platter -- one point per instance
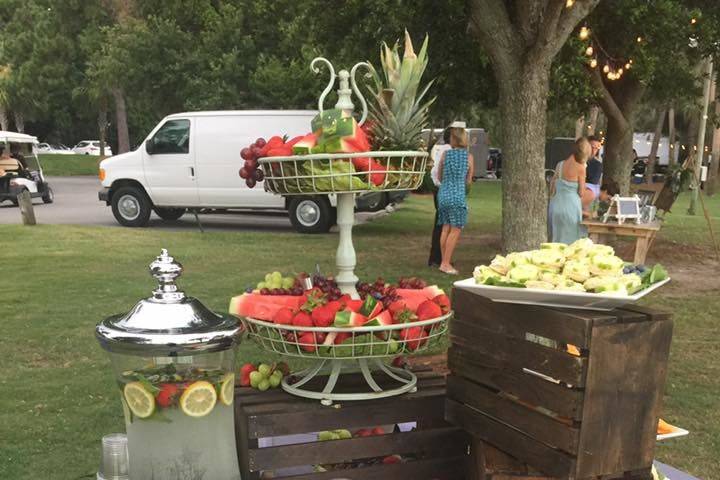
(319, 321)
(580, 275)
(149, 394)
(308, 316)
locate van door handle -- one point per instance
(192, 172)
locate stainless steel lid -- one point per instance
(169, 323)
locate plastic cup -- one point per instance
(114, 464)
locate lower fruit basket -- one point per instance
(336, 350)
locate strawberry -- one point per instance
(396, 306)
(414, 337)
(391, 459)
(167, 394)
(378, 431)
(399, 362)
(363, 432)
(443, 301)
(404, 316)
(428, 310)
(307, 342)
(315, 298)
(323, 316)
(354, 305)
(302, 319)
(335, 306)
(247, 368)
(284, 316)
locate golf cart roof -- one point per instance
(16, 137)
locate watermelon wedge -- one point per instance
(305, 144)
(412, 298)
(263, 307)
(371, 307)
(384, 318)
(348, 318)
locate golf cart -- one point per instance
(21, 170)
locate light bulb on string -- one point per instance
(620, 71)
(639, 39)
(569, 3)
(584, 33)
(693, 21)
(589, 51)
(606, 68)
(630, 61)
(593, 63)
(627, 66)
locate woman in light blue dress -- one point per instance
(566, 205)
(455, 173)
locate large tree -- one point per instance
(522, 38)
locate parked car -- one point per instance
(495, 162)
(191, 161)
(53, 149)
(91, 147)
(23, 171)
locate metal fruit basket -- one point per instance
(364, 349)
(334, 173)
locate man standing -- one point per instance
(436, 153)
(594, 172)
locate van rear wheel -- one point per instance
(170, 214)
(131, 207)
(312, 214)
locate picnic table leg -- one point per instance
(642, 245)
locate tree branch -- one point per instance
(495, 31)
(606, 100)
(528, 19)
(559, 23)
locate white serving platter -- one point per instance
(552, 298)
(680, 432)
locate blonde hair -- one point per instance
(458, 138)
(582, 150)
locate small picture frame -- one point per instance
(623, 208)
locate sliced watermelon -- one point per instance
(348, 318)
(264, 307)
(304, 145)
(412, 298)
(354, 305)
(371, 307)
(384, 318)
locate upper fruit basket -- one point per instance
(348, 155)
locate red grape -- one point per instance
(260, 142)
(251, 164)
(250, 182)
(244, 173)
(245, 153)
(258, 175)
(255, 153)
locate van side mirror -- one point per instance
(149, 147)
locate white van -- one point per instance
(191, 161)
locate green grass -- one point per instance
(55, 165)
(58, 394)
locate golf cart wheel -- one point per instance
(131, 207)
(170, 214)
(311, 214)
(48, 195)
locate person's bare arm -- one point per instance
(441, 166)
(471, 170)
(581, 180)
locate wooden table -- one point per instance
(644, 234)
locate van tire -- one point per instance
(170, 214)
(131, 206)
(311, 214)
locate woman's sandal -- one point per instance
(452, 271)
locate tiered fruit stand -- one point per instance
(366, 346)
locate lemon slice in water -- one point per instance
(140, 402)
(198, 399)
(227, 389)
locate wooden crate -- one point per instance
(514, 385)
(434, 450)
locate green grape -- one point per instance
(268, 277)
(264, 370)
(263, 385)
(261, 285)
(276, 276)
(288, 282)
(274, 381)
(255, 378)
(325, 436)
(343, 434)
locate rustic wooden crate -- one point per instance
(592, 415)
(441, 450)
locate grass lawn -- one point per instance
(58, 394)
(55, 165)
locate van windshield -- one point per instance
(172, 137)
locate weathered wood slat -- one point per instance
(431, 469)
(548, 460)
(566, 402)
(626, 373)
(352, 415)
(531, 422)
(435, 442)
(516, 320)
(501, 351)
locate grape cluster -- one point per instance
(328, 286)
(412, 283)
(251, 171)
(639, 269)
(379, 290)
(295, 290)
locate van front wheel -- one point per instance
(131, 207)
(170, 214)
(312, 214)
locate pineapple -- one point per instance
(397, 111)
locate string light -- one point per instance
(693, 21)
(620, 71)
(606, 68)
(627, 66)
(589, 51)
(593, 63)
(639, 39)
(584, 33)
(569, 3)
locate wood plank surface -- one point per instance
(534, 424)
(625, 383)
(430, 469)
(502, 352)
(562, 325)
(548, 460)
(566, 402)
(450, 441)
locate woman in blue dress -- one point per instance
(566, 205)
(455, 172)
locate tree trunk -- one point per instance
(19, 122)
(121, 121)
(672, 151)
(523, 105)
(650, 170)
(4, 120)
(579, 127)
(102, 129)
(592, 120)
(618, 153)
(712, 182)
